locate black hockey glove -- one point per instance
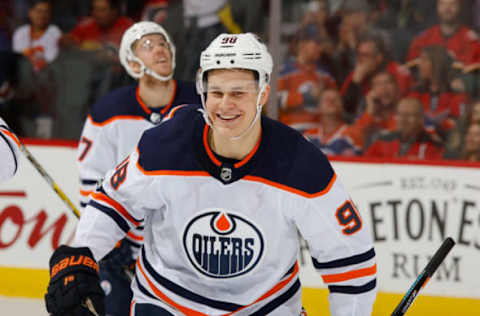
(120, 259)
(74, 287)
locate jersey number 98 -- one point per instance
(349, 218)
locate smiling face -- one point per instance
(155, 54)
(231, 101)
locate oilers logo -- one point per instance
(220, 244)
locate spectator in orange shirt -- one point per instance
(372, 57)
(442, 105)
(332, 134)
(301, 82)
(457, 38)
(410, 139)
(103, 29)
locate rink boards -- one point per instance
(408, 208)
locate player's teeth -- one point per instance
(227, 117)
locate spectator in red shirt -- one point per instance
(301, 82)
(442, 105)
(372, 57)
(410, 139)
(103, 29)
(460, 40)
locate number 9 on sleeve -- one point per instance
(348, 217)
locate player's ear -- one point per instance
(265, 95)
(135, 66)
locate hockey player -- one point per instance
(113, 129)
(9, 151)
(221, 193)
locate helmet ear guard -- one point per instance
(126, 53)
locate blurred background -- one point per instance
(371, 78)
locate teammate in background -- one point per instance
(221, 192)
(114, 127)
(9, 151)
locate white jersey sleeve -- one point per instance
(341, 248)
(118, 206)
(9, 151)
(96, 155)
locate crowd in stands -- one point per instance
(373, 78)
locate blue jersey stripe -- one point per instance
(187, 294)
(144, 290)
(121, 222)
(88, 181)
(279, 300)
(344, 261)
(350, 289)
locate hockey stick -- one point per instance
(424, 277)
(49, 180)
(88, 302)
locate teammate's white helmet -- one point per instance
(244, 51)
(134, 33)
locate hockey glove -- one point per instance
(74, 287)
(120, 259)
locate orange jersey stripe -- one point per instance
(207, 147)
(345, 276)
(293, 190)
(116, 118)
(119, 208)
(85, 193)
(198, 173)
(11, 135)
(134, 236)
(131, 307)
(250, 155)
(166, 299)
(175, 109)
(272, 291)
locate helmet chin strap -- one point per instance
(257, 116)
(152, 73)
(145, 70)
(247, 130)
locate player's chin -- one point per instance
(227, 130)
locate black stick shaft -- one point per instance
(424, 276)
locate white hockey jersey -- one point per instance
(9, 151)
(221, 235)
(112, 131)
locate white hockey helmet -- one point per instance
(126, 54)
(242, 51)
(236, 51)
